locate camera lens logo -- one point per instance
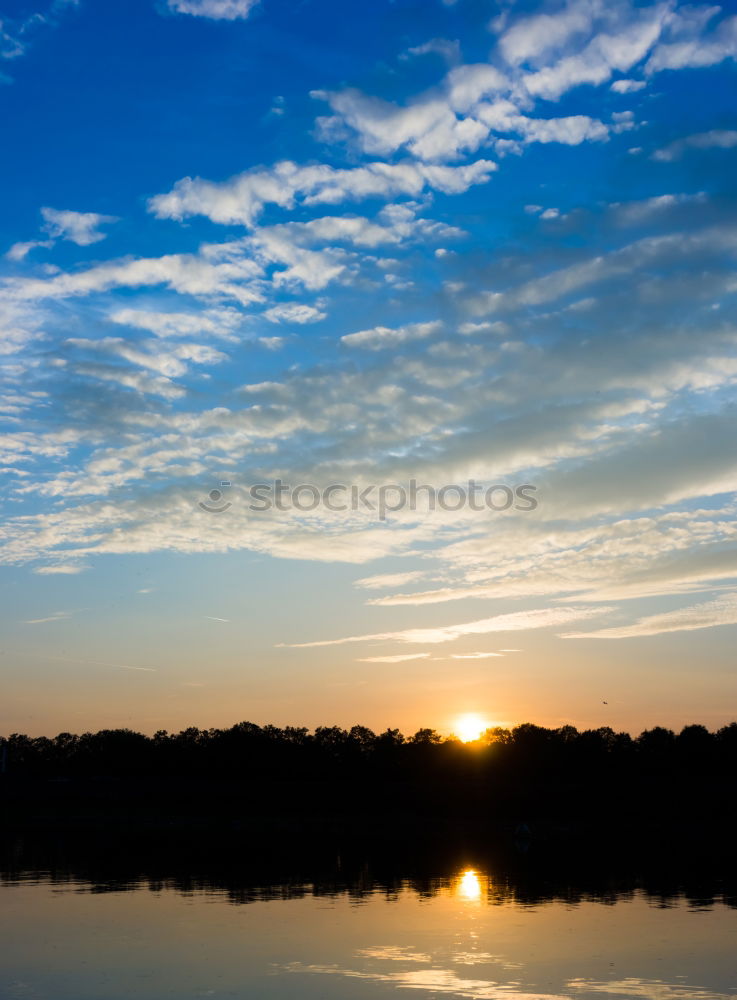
(215, 506)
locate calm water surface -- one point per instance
(460, 935)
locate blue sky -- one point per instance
(444, 241)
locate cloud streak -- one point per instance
(516, 621)
(216, 10)
(709, 614)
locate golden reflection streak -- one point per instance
(470, 885)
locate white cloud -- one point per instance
(605, 428)
(530, 38)
(399, 658)
(294, 312)
(715, 139)
(474, 656)
(498, 328)
(720, 611)
(61, 569)
(146, 385)
(170, 361)
(15, 35)
(448, 50)
(513, 622)
(380, 337)
(77, 227)
(19, 251)
(628, 557)
(20, 324)
(241, 199)
(696, 50)
(388, 580)
(222, 323)
(58, 616)
(395, 223)
(627, 86)
(636, 212)
(623, 121)
(217, 10)
(586, 42)
(649, 251)
(272, 343)
(617, 49)
(570, 131)
(430, 127)
(210, 274)
(10, 47)
(465, 86)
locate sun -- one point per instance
(470, 727)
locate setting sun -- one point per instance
(470, 727)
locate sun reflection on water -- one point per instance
(469, 885)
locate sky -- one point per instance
(441, 242)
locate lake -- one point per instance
(468, 931)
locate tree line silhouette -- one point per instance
(520, 774)
(247, 749)
(526, 770)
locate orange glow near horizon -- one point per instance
(470, 727)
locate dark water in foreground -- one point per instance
(468, 929)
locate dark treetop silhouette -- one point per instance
(251, 773)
